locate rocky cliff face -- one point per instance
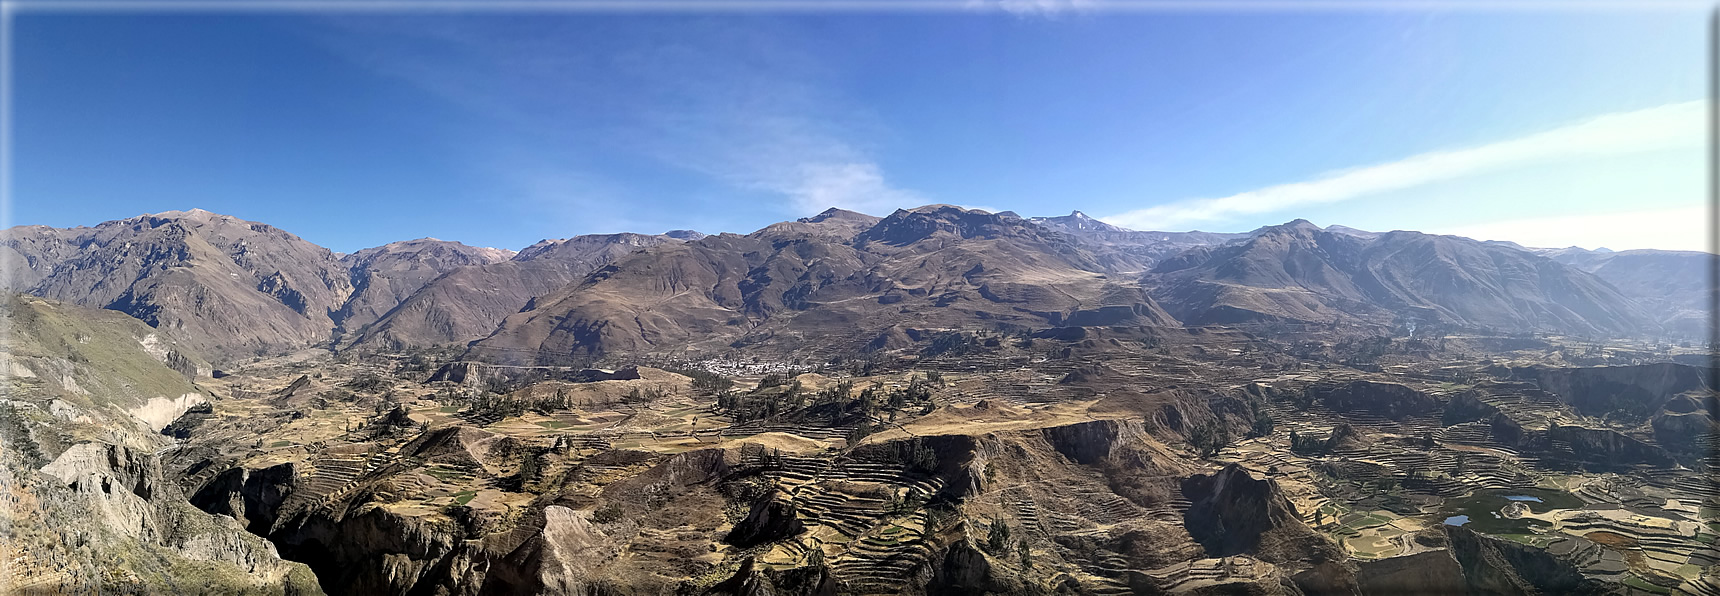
(137, 529)
(1499, 566)
(88, 391)
(1685, 422)
(965, 569)
(358, 549)
(751, 580)
(1430, 573)
(770, 519)
(1604, 449)
(562, 560)
(1636, 391)
(251, 496)
(1234, 513)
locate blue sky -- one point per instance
(354, 129)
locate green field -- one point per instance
(1483, 506)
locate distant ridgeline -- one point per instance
(837, 283)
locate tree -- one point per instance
(1209, 438)
(531, 470)
(1263, 424)
(918, 457)
(997, 539)
(710, 383)
(1310, 445)
(859, 433)
(1026, 554)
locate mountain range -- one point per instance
(228, 289)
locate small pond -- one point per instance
(1457, 520)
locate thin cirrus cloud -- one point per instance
(1671, 126)
(1031, 7)
(856, 186)
(783, 148)
(740, 106)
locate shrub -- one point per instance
(607, 514)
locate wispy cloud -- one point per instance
(1672, 126)
(1033, 7)
(744, 106)
(569, 195)
(856, 186)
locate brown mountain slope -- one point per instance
(384, 276)
(466, 303)
(229, 287)
(1123, 249)
(1671, 285)
(1480, 284)
(1294, 272)
(1299, 272)
(937, 267)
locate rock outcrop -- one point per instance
(1635, 391)
(1499, 566)
(1429, 573)
(770, 519)
(1607, 449)
(125, 498)
(251, 496)
(1234, 513)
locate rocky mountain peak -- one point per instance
(909, 226)
(1295, 226)
(1078, 222)
(835, 213)
(580, 247)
